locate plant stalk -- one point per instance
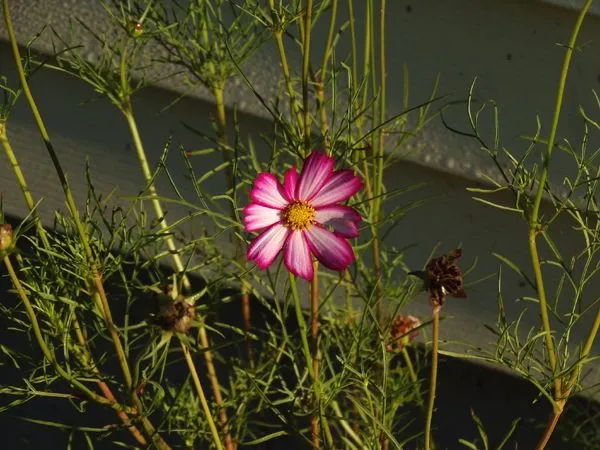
(99, 294)
(314, 309)
(433, 378)
(535, 226)
(202, 397)
(44, 238)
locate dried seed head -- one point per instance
(403, 331)
(444, 277)
(7, 243)
(175, 315)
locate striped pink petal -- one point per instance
(342, 219)
(267, 191)
(257, 217)
(317, 170)
(340, 187)
(265, 248)
(290, 183)
(333, 251)
(297, 256)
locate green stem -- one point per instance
(305, 70)
(285, 68)
(302, 326)
(344, 423)
(412, 374)
(218, 93)
(202, 397)
(158, 210)
(433, 379)
(102, 301)
(127, 110)
(44, 238)
(48, 354)
(379, 162)
(534, 225)
(314, 310)
(37, 332)
(14, 163)
(322, 78)
(214, 381)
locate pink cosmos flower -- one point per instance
(303, 217)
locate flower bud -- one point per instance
(6, 239)
(135, 28)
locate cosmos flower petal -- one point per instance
(257, 217)
(297, 256)
(267, 191)
(333, 251)
(265, 248)
(342, 219)
(340, 187)
(290, 183)
(317, 170)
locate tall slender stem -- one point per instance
(302, 326)
(218, 94)
(534, 225)
(285, 67)
(379, 159)
(550, 427)
(433, 378)
(412, 374)
(44, 238)
(127, 110)
(214, 382)
(49, 356)
(202, 397)
(314, 309)
(158, 210)
(99, 294)
(305, 70)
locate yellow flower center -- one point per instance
(298, 215)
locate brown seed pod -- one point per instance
(175, 315)
(444, 277)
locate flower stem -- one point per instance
(202, 397)
(44, 238)
(412, 374)
(214, 381)
(49, 356)
(99, 295)
(535, 226)
(305, 70)
(127, 111)
(285, 68)
(433, 379)
(550, 427)
(158, 210)
(218, 94)
(301, 326)
(314, 309)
